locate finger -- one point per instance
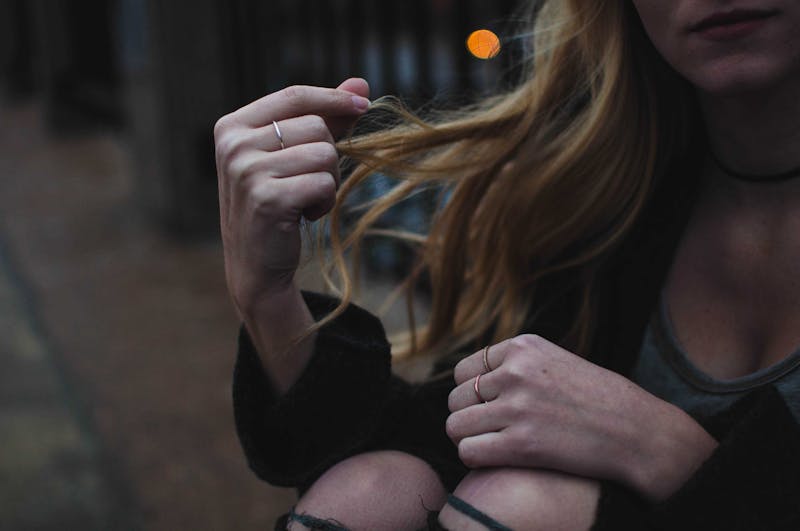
(340, 125)
(486, 450)
(325, 198)
(311, 195)
(289, 162)
(300, 100)
(294, 131)
(464, 395)
(355, 85)
(472, 365)
(474, 420)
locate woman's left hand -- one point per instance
(548, 408)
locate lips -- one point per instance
(737, 16)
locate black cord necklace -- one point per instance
(754, 178)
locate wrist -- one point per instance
(272, 297)
(675, 446)
(279, 324)
(250, 301)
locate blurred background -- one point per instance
(117, 336)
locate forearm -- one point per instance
(672, 447)
(749, 481)
(275, 323)
(346, 392)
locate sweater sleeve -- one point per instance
(346, 401)
(751, 482)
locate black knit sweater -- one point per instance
(347, 401)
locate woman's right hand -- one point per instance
(265, 189)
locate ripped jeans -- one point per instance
(312, 522)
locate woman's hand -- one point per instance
(548, 408)
(270, 177)
(265, 188)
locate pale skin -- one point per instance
(264, 191)
(555, 424)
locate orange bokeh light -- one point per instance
(483, 44)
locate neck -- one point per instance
(756, 133)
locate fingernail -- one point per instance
(361, 103)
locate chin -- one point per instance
(738, 77)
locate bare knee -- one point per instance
(525, 499)
(378, 490)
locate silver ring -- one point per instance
(278, 133)
(486, 359)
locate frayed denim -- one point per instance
(320, 524)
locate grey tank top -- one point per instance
(664, 370)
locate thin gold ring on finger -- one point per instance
(278, 133)
(478, 390)
(486, 359)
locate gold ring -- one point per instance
(478, 390)
(486, 359)
(278, 133)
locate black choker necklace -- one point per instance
(753, 178)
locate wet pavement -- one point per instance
(51, 468)
(116, 349)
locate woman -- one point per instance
(620, 230)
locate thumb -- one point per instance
(339, 125)
(356, 85)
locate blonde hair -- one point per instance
(545, 178)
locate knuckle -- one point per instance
(516, 405)
(229, 147)
(459, 372)
(537, 341)
(327, 154)
(295, 95)
(317, 127)
(517, 343)
(451, 427)
(327, 185)
(252, 188)
(244, 168)
(452, 401)
(528, 341)
(512, 371)
(263, 198)
(323, 193)
(222, 125)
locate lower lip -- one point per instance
(729, 32)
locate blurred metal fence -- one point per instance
(410, 47)
(64, 50)
(170, 68)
